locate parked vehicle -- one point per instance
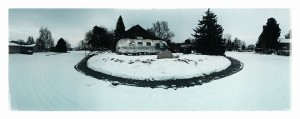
(140, 46)
(186, 48)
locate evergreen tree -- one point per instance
(208, 35)
(260, 43)
(268, 39)
(118, 32)
(61, 45)
(288, 35)
(243, 47)
(120, 29)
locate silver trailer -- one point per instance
(140, 46)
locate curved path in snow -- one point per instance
(235, 67)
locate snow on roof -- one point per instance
(283, 40)
(32, 45)
(15, 44)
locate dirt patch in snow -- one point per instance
(235, 67)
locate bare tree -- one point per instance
(237, 43)
(45, 40)
(227, 37)
(68, 44)
(161, 30)
(228, 41)
(30, 40)
(82, 45)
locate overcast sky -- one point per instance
(72, 24)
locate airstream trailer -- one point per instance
(138, 46)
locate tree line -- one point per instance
(99, 38)
(209, 38)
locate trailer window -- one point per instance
(140, 43)
(131, 43)
(148, 43)
(161, 46)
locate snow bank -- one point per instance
(148, 67)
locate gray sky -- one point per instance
(72, 24)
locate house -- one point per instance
(284, 44)
(284, 47)
(14, 48)
(138, 31)
(24, 49)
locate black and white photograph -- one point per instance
(187, 59)
(149, 59)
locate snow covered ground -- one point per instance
(40, 82)
(149, 67)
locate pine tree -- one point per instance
(268, 39)
(118, 32)
(208, 35)
(243, 47)
(120, 29)
(288, 35)
(61, 45)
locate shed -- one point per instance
(17, 48)
(285, 44)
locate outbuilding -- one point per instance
(24, 49)
(285, 44)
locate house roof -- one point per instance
(138, 31)
(15, 44)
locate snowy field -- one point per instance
(151, 68)
(40, 82)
